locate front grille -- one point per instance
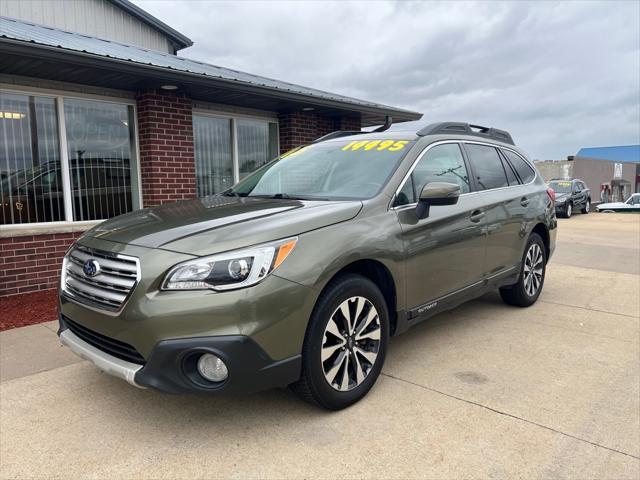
(108, 345)
(110, 288)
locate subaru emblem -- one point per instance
(91, 268)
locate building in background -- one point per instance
(550, 169)
(99, 116)
(617, 168)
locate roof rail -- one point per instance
(388, 120)
(338, 134)
(345, 133)
(460, 128)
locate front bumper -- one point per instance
(105, 362)
(171, 366)
(561, 207)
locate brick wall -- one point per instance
(31, 263)
(301, 128)
(167, 163)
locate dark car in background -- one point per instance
(571, 195)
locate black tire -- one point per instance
(313, 387)
(517, 294)
(587, 207)
(569, 211)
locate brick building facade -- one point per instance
(167, 167)
(99, 133)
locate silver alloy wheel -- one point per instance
(533, 269)
(350, 343)
(568, 210)
(587, 206)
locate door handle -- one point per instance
(476, 216)
(524, 201)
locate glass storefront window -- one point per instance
(257, 144)
(100, 147)
(218, 166)
(30, 177)
(100, 159)
(214, 159)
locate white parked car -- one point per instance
(631, 205)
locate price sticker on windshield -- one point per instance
(293, 152)
(564, 184)
(376, 145)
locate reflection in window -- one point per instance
(214, 161)
(257, 144)
(442, 163)
(100, 139)
(30, 179)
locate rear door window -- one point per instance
(524, 170)
(487, 166)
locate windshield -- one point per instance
(561, 187)
(337, 170)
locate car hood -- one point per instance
(561, 197)
(216, 224)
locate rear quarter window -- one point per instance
(525, 172)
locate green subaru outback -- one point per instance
(300, 273)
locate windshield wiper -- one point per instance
(286, 196)
(231, 193)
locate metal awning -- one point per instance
(44, 52)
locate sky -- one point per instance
(557, 75)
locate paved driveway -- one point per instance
(483, 391)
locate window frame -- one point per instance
(478, 188)
(501, 147)
(513, 167)
(473, 187)
(68, 224)
(233, 118)
(408, 175)
(506, 163)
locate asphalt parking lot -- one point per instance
(483, 391)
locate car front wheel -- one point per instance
(527, 289)
(345, 344)
(569, 211)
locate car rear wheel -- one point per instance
(587, 207)
(345, 344)
(527, 289)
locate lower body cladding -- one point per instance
(183, 365)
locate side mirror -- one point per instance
(436, 194)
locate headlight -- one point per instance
(226, 271)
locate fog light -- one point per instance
(212, 368)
